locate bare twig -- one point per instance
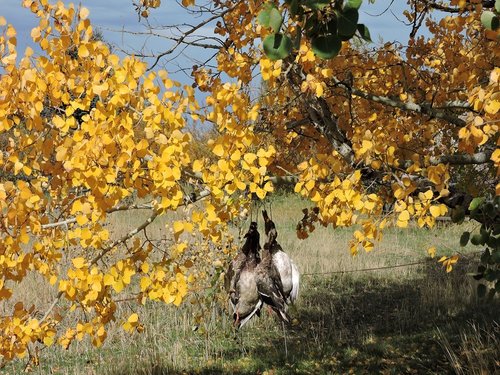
(181, 39)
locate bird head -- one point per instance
(269, 226)
(252, 243)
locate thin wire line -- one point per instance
(365, 269)
(471, 255)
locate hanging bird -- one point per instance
(288, 271)
(269, 285)
(243, 279)
(251, 245)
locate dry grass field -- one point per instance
(348, 319)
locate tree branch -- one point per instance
(443, 8)
(424, 108)
(181, 39)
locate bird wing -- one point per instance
(271, 294)
(295, 283)
(252, 313)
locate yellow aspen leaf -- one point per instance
(223, 165)
(261, 193)
(218, 150)
(435, 210)
(369, 205)
(263, 162)
(211, 214)
(197, 165)
(310, 185)
(82, 219)
(177, 300)
(240, 185)
(49, 340)
(319, 89)
(376, 164)
(17, 167)
(84, 13)
(303, 166)
(298, 187)
(78, 262)
(368, 245)
(431, 251)
(250, 158)
(83, 51)
(24, 237)
(127, 275)
(108, 279)
(145, 283)
(492, 107)
(188, 227)
(402, 224)
(53, 280)
(403, 219)
(316, 197)
(268, 186)
(178, 228)
(118, 285)
(236, 155)
(86, 234)
(11, 32)
(428, 194)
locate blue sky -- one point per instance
(111, 16)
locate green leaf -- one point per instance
(484, 237)
(277, 46)
(475, 203)
(294, 8)
(490, 275)
(497, 6)
(477, 239)
(481, 290)
(331, 26)
(275, 20)
(489, 209)
(458, 215)
(464, 238)
(270, 16)
(353, 4)
(265, 14)
(495, 256)
(490, 20)
(496, 228)
(364, 32)
(493, 242)
(326, 46)
(486, 256)
(347, 22)
(312, 26)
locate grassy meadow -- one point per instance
(413, 319)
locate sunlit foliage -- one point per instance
(368, 135)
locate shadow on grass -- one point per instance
(360, 325)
